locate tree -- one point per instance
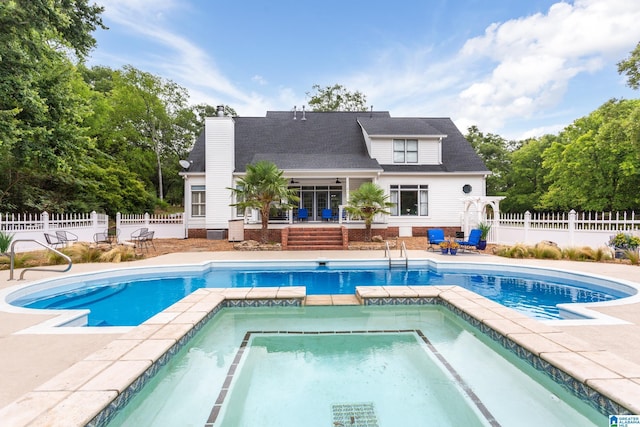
(262, 188)
(594, 165)
(526, 178)
(366, 202)
(631, 67)
(152, 115)
(41, 138)
(494, 151)
(336, 98)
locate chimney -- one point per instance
(303, 114)
(295, 112)
(220, 110)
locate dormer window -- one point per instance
(405, 151)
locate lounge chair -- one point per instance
(472, 241)
(327, 215)
(435, 236)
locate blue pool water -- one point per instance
(129, 302)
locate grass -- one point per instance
(79, 253)
(544, 250)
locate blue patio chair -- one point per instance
(303, 214)
(472, 241)
(435, 236)
(327, 215)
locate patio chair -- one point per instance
(327, 215)
(145, 240)
(303, 214)
(139, 232)
(435, 236)
(66, 236)
(52, 240)
(472, 241)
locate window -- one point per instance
(405, 151)
(198, 201)
(410, 200)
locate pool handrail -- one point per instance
(12, 255)
(403, 250)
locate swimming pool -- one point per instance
(362, 366)
(127, 298)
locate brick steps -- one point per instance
(314, 239)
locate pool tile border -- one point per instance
(481, 313)
(608, 392)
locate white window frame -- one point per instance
(405, 151)
(422, 197)
(198, 201)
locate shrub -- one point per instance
(632, 256)
(518, 251)
(545, 251)
(5, 241)
(624, 241)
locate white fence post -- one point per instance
(146, 219)
(45, 221)
(527, 225)
(572, 227)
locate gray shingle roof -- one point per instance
(334, 140)
(398, 126)
(325, 140)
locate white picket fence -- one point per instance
(86, 225)
(568, 229)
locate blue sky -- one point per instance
(511, 67)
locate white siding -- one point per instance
(429, 152)
(197, 222)
(220, 164)
(445, 194)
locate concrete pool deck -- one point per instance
(31, 360)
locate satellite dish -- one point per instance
(185, 164)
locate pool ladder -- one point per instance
(403, 261)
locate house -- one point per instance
(425, 165)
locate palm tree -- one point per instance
(366, 202)
(262, 188)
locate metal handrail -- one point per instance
(12, 255)
(403, 250)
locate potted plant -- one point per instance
(444, 247)
(484, 228)
(453, 247)
(622, 242)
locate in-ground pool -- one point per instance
(349, 366)
(129, 299)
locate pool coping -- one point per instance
(92, 390)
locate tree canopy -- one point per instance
(336, 98)
(631, 67)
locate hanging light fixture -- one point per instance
(338, 181)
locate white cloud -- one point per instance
(520, 68)
(182, 60)
(534, 58)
